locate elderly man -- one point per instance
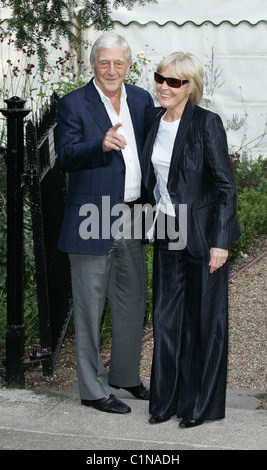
(101, 133)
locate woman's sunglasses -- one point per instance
(172, 82)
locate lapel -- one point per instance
(181, 137)
(148, 171)
(97, 108)
(134, 109)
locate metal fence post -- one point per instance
(15, 113)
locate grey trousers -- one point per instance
(121, 275)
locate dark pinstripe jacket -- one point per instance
(200, 176)
(82, 124)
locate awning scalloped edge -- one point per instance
(186, 22)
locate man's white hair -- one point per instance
(111, 41)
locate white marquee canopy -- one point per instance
(229, 37)
(197, 12)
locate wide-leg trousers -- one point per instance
(120, 275)
(190, 315)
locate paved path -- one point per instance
(57, 421)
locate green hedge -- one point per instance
(251, 183)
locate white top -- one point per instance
(132, 189)
(161, 158)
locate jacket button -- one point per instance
(172, 194)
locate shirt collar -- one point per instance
(106, 98)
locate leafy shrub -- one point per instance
(251, 183)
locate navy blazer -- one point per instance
(200, 176)
(96, 179)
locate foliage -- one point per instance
(2, 318)
(36, 22)
(20, 76)
(29, 271)
(30, 293)
(251, 183)
(248, 173)
(3, 242)
(212, 80)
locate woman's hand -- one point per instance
(218, 257)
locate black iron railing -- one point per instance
(46, 185)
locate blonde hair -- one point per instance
(188, 67)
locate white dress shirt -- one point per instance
(132, 189)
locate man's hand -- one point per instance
(218, 257)
(112, 140)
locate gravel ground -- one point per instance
(247, 334)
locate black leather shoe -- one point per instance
(155, 419)
(183, 421)
(190, 423)
(140, 391)
(111, 404)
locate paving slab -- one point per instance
(56, 421)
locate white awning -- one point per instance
(194, 11)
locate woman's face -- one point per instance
(172, 98)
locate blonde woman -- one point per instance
(185, 164)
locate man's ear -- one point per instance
(128, 66)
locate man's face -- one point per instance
(110, 67)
